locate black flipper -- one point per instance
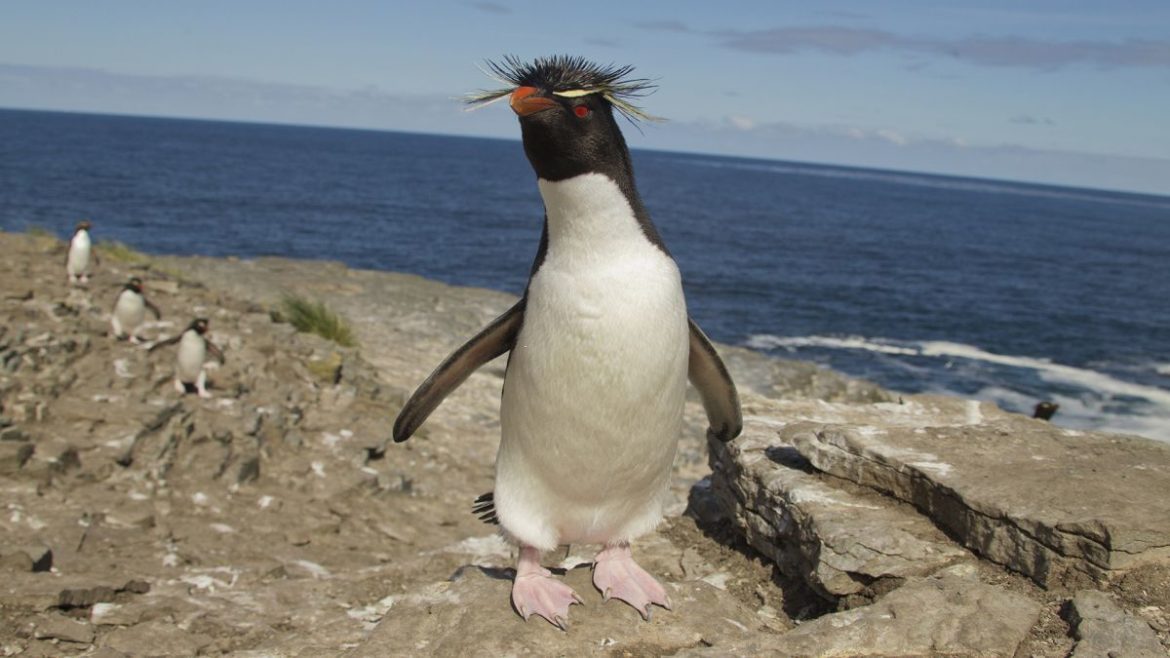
(485, 508)
(170, 341)
(720, 399)
(215, 351)
(497, 338)
(153, 309)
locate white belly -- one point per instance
(192, 353)
(594, 393)
(130, 310)
(77, 262)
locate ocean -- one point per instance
(993, 290)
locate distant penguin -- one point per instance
(130, 311)
(77, 261)
(193, 348)
(1045, 410)
(601, 349)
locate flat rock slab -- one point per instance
(839, 542)
(471, 615)
(1102, 628)
(1054, 504)
(950, 614)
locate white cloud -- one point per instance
(741, 122)
(997, 51)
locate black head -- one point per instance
(134, 284)
(566, 105)
(83, 225)
(199, 325)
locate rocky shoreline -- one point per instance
(273, 519)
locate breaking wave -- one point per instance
(1088, 398)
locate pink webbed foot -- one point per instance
(617, 576)
(536, 592)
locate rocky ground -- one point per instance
(273, 520)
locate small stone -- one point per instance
(156, 638)
(16, 561)
(67, 630)
(12, 433)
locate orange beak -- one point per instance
(525, 101)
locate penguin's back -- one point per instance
(594, 393)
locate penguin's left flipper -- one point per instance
(153, 309)
(708, 374)
(497, 338)
(215, 351)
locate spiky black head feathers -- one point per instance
(569, 77)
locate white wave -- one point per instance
(1083, 413)
(1051, 372)
(1090, 410)
(768, 341)
(1162, 369)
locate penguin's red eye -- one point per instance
(581, 111)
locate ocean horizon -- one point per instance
(987, 289)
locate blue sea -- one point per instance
(993, 290)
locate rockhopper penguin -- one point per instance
(193, 348)
(130, 311)
(79, 255)
(600, 344)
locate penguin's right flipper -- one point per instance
(497, 338)
(163, 343)
(720, 400)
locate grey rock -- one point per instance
(1075, 505)
(1102, 628)
(843, 544)
(61, 628)
(951, 614)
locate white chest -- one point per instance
(605, 326)
(130, 309)
(192, 354)
(79, 248)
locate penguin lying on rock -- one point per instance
(77, 259)
(130, 311)
(600, 345)
(193, 348)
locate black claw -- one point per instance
(484, 507)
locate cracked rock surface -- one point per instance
(274, 520)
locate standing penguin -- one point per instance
(193, 348)
(601, 348)
(80, 252)
(130, 310)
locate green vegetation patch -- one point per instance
(316, 318)
(123, 253)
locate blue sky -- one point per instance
(1070, 92)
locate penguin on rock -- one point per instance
(77, 260)
(193, 348)
(130, 311)
(600, 348)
